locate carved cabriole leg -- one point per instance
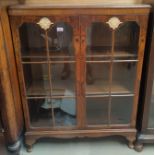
(138, 146)
(131, 140)
(29, 143)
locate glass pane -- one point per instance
(36, 79)
(121, 110)
(124, 75)
(65, 111)
(39, 115)
(97, 111)
(97, 78)
(63, 79)
(60, 38)
(126, 40)
(32, 39)
(99, 37)
(151, 112)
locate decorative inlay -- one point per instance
(114, 22)
(45, 23)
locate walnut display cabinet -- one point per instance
(79, 69)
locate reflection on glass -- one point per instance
(124, 75)
(64, 111)
(126, 40)
(97, 78)
(63, 79)
(49, 77)
(121, 110)
(36, 79)
(99, 39)
(32, 39)
(97, 111)
(151, 112)
(58, 112)
(60, 38)
(39, 116)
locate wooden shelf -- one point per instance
(108, 54)
(40, 88)
(43, 54)
(102, 87)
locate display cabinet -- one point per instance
(79, 68)
(145, 123)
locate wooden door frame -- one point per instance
(141, 22)
(16, 22)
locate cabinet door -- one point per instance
(113, 58)
(46, 52)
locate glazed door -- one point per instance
(47, 52)
(112, 60)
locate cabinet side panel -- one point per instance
(11, 96)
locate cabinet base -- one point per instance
(32, 137)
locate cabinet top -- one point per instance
(77, 5)
(38, 9)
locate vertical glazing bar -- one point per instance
(110, 78)
(49, 74)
